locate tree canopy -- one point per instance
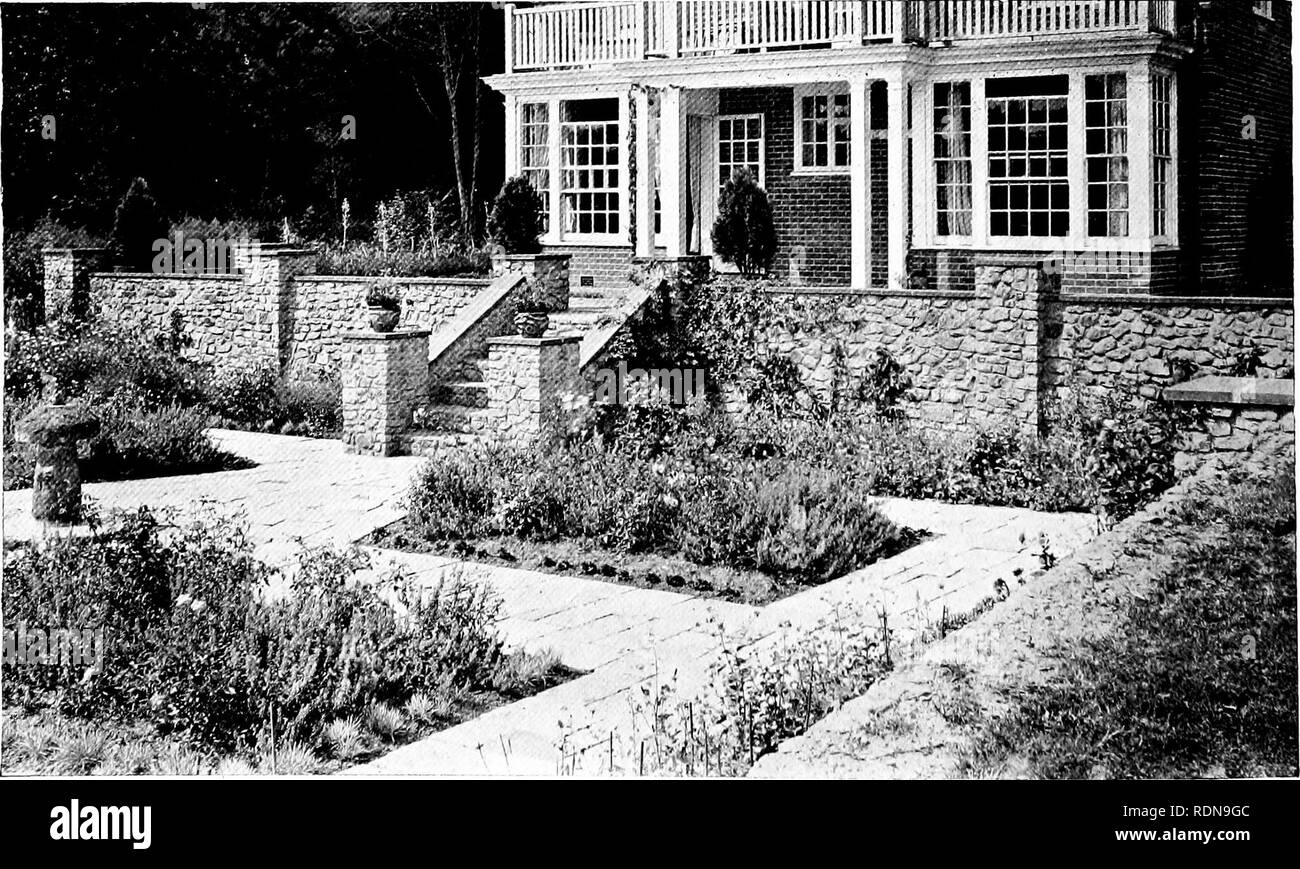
(240, 110)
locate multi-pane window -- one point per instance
(1264, 7)
(1106, 136)
(823, 125)
(1162, 164)
(740, 147)
(952, 158)
(1028, 140)
(535, 151)
(589, 161)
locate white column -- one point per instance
(553, 195)
(512, 136)
(510, 37)
(1078, 162)
(859, 182)
(645, 177)
(897, 94)
(1140, 157)
(672, 174)
(979, 122)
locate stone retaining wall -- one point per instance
(273, 314)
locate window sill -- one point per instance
(818, 172)
(587, 241)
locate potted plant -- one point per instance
(385, 307)
(532, 313)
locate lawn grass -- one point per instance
(1201, 681)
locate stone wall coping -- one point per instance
(367, 279)
(1218, 389)
(395, 335)
(783, 289)
(477, 308)
(529, 257)
(521, 341)
(1172, 301)
(170, 276)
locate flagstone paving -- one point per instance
(306, 491)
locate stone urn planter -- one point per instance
(383, 319)
(532, 324)
(53, 430)
(384, 307)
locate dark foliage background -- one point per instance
(236, 109)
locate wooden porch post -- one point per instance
(645, 176)
(860, 182)
(898, 176)
(672, 174)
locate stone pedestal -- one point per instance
(533, 383)
(67, 280)
(385, 379)
(548, 273)
(53, 431)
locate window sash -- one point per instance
(1106, 130)
(741, 146)
(822, 122)
(589, 177)
(953, 162)
(1028, 166)
(535, 153)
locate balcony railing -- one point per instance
(567, 35)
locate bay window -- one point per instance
(1083, 159)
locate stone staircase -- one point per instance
(458, 401)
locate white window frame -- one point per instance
(762, 146)
(830, 90)
(1263, 8)
(1141, 235)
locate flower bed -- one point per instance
(197, 652)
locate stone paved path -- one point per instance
(310, 490)
(301, 488)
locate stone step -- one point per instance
(430, 444)
(580, 321)
(595, 293)
(452, 418)
(594, 303)
(467, 393)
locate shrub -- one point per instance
(137, 442)
(744, 233)
(199, 648)
(370, 259)
(262, 400)
(515, 221)
(24, 294)
(137, 223)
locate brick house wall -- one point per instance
(811, 212)
(1237, 229)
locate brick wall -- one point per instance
(1236, 217)
(596, 265)
(811, 212)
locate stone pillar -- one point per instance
(1004, 333)
(385, 379)
(548, 273)
(269, 270)
(532, 384)
(67, 281)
